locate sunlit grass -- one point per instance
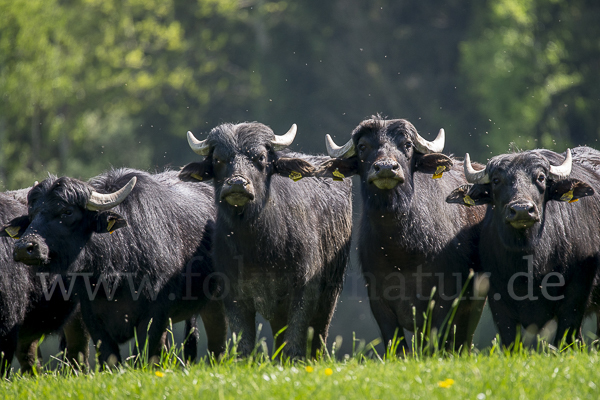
(522, 372)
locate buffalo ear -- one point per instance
(295, 168)
(470, 195)
(109, 221)
(15, 227)
(338, 168)
(197, 171)
(570, 190)
(434, 163)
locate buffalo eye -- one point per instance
(541, 178)
(262, 158)
(66, 213)
(496, 181)
(361, 147)
(408, 145)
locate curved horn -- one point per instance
(336, 151)
(425, 147)
(280, 142)
(103, 202)
(560, 172)
(199, 146)
(472, 175)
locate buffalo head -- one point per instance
(242, 159)
(518, 186)
(386, 154)
(62, 215)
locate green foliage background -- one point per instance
(90, 84)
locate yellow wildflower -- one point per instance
(328, 371)
(446, 384)
(309, 368)
(159, 374)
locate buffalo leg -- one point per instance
(304, 301)
(106, 348)
(215, 325)
(322, 319)
(27, 355)
(8, 346)
(77, 342)
(150, 337)
(389, 326)
(278, 323)
(241, 318)
(466, 319)
(190, 346)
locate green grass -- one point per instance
(543, 373)
(571, 375)
(427, 372)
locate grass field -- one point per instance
(489, 374)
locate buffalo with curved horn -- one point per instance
(129, 282)
(410, 240)
(282, 237)
(539, 244)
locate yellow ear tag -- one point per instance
(296, 176)
(196, 176)
(439, 172)
(567, 197)
(468, 200)
(12, 231)
(110, 225)
(337, 175)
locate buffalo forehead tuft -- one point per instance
(69, 190)
(378, 125)
(240, 136)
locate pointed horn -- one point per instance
(560, 172)
(425, 147)
(472, 175)
(336, 151)
(280, 142)
(103, 202)
(199, 146)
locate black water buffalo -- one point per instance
(129, 281)
(26, 312)
(539, 244)
(410, 240)
(282, 244)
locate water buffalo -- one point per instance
(410, 240)
(282, 244)
(129, 281)
(26, 311)
(539, 244)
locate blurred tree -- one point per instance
(91, 83)
(532, 68)
(328, 65)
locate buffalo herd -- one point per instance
(253, 227)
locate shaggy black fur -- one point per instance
(25, 313)
(410, 239)
(283, 251)
(135, 279)
(530, 262)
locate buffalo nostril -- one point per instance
(531, 210)
(512, 212)
(395, 166)
(376, 167)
